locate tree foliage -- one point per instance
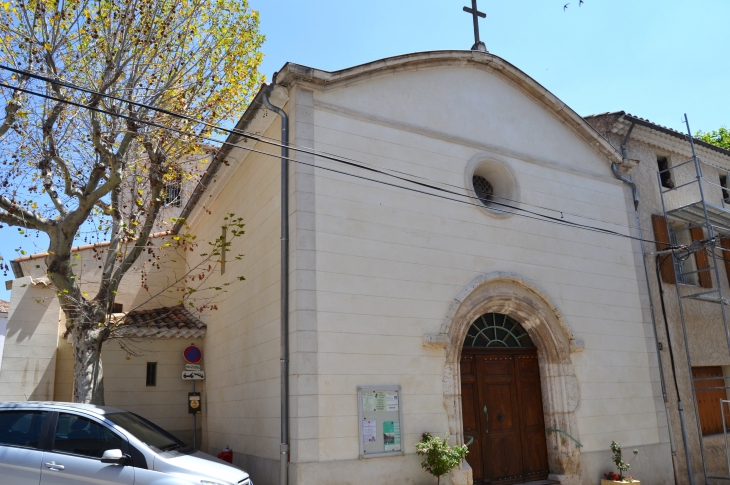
(440, 458)
(65, 167)
(719, 137)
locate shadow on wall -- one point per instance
(28, 308)
(44, 383)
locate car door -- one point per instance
(20, 453)
(74, 454)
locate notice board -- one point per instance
(380, 414)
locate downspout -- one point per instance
(635, 194)
(284, 446)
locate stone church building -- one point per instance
(490, 302)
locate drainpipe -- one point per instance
(284, 446)
(635, 194)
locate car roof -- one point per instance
(56, 406)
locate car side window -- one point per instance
(81, 436)
(21, 428)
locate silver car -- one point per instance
(53, 443)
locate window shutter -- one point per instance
(725, 243)
(701, 258)
(708, 399)
(662, 237)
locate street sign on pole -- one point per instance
(194, 404)
(192, 354)
(193, 375)
(192, 366)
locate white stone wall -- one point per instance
(27, 371)
(164, 404)
(389, 262)
(242, 342)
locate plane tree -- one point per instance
(75, 159)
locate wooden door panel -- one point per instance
(531, 404)
(500, 408)
(535, 455)
(534, 449)
(472, 429)
(506, 464)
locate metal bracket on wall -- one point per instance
(552, 430)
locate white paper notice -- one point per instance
(368, 401)
(369, 430)
(391, 400)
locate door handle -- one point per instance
(54, 466)
(487, 414)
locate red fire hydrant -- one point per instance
(226, 455)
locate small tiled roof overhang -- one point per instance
(4, 306)
(166, 322)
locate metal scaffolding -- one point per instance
(694, 211)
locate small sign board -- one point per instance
(192, 366)
(194, 403)
(193, 375)
(192, 354)
(380, 415)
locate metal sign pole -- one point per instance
(195, 425)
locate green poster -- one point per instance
(391, 435)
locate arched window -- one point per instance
(495, 330)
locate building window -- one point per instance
(666, 177)
(173, 192)
(684, 263)
(497, 330)
(151, 374)
(710, 392)
(117, 308)
(725, 191)
(483, 188)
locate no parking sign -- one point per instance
(192, 354)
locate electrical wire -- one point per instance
(533, 215)
(299, 148)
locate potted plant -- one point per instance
(440, 457)
(623, 467)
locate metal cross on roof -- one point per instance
(478, 44)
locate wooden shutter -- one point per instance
(701, 258)
(708, 401)
(725, 243)
(662, 237)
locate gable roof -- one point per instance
(611, 117)
(293, 73)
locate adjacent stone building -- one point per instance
(660, 150)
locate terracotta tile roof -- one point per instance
(615, 115)
(166, 322)
(4, 306)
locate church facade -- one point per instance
(490, 302)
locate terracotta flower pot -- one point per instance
(612, 482)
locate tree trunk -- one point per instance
(88, 372)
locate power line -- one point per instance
(307, 150)
(534, 215)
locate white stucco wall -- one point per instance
(27, 371)
(242, 341)
(389, 262)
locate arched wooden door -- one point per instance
(502, 403)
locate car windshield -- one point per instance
(150, 434)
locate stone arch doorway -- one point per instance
(509, 294)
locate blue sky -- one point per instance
(656, 59)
